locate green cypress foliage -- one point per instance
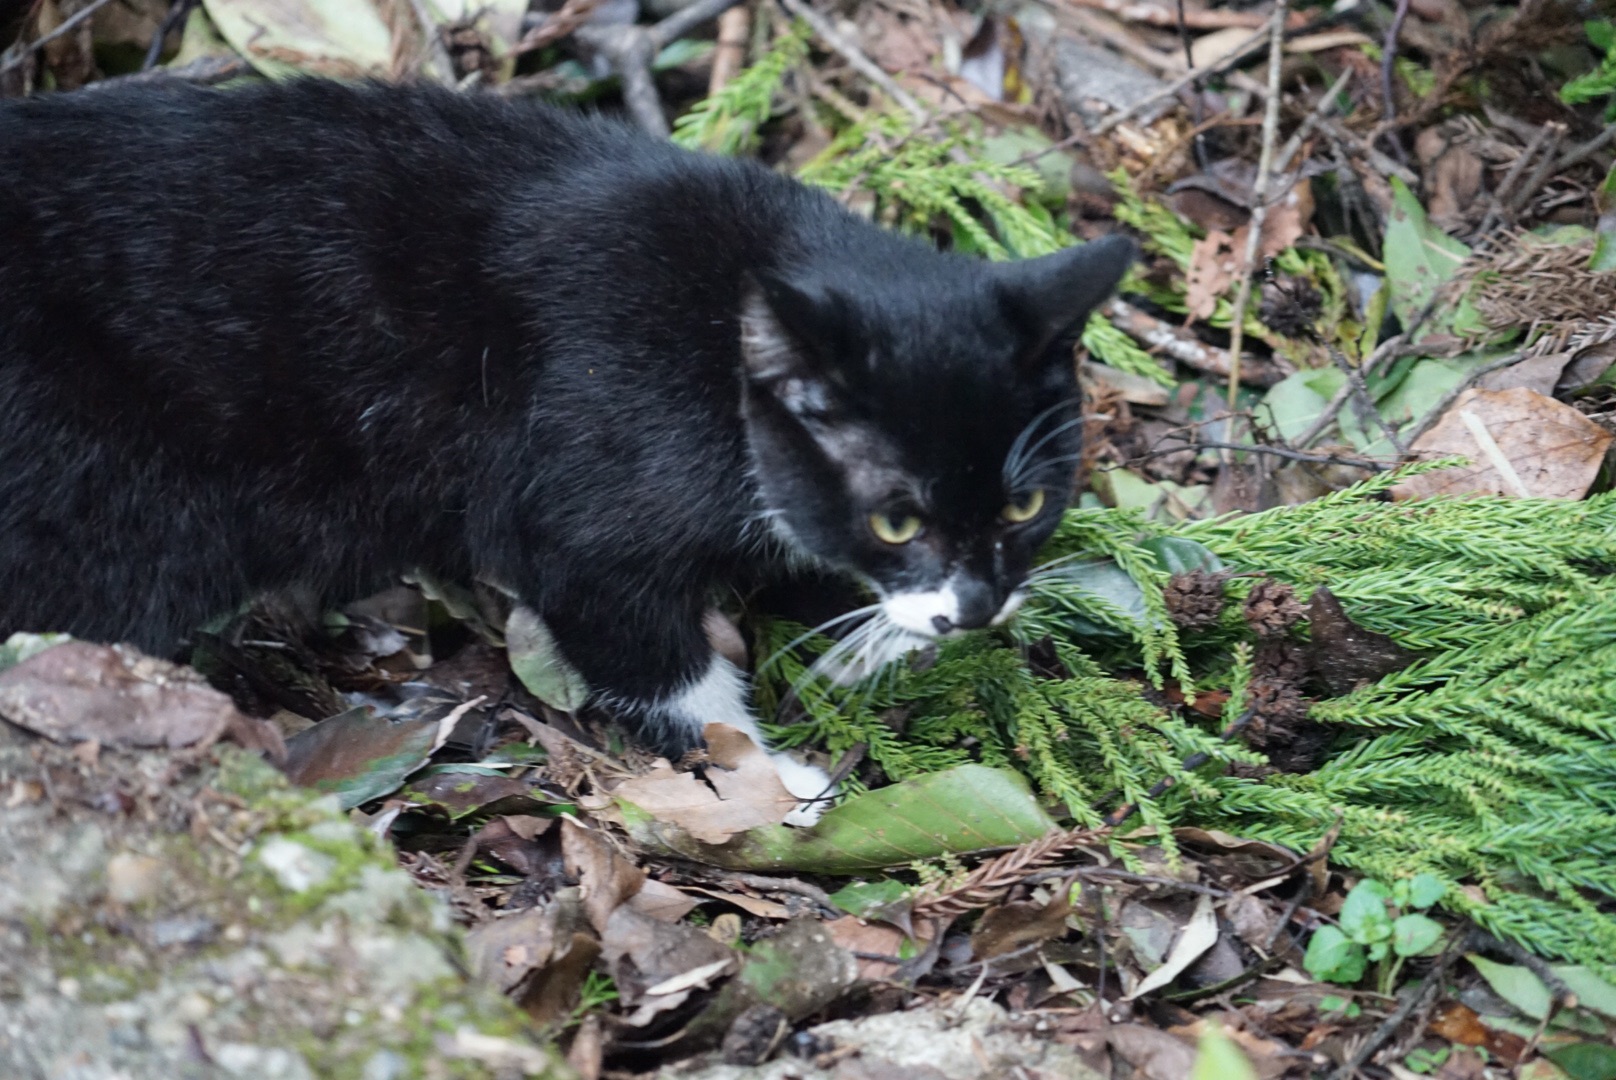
(1489, 763)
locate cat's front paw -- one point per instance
(809, 783)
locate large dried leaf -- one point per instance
(969, 808)
(1519, 443)
(342, 39)
(114, 695)
(741, 791)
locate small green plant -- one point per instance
(1378, 925)
(728, 122)
(598, 990)
(1601, 82)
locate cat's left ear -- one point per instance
(1049, 296)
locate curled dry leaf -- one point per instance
(1519, 443)
(741, 790)
(539, 956)
(115, 695)
(360, 754)
(1013, 926)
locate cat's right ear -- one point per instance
(789, 333)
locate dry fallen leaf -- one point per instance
(741, 790)
(1519, 443)
(539, 956)
(876, 939)
(1212, 266)
(115, 695)
(1012, 926)
(1155, 1054)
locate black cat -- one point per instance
(312, 336)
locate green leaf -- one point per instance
(1178, 555)
(1604, 256)
(1218, 1058)
(1592, 991)
(1586, 1061)
(1419, 258)
(1601, 33)
(1516, 985)
(1414, 935)
(1333, 957)
(539, 664)
(965, 809)
(1425, 889)
(1295, 402)
(1363, 914)
(863, 898)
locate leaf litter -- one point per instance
(1431, 283)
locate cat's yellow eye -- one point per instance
(1026, 509)
(890, 529)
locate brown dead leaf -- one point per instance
(752, 905)
(857, 936)
(657, 965)
(1461, 1024)
(605, 878)
(1012, 926)
(741, 791)
(114, 694)
(1519, 443)
(539, 956)
(1154, 1053)
(661, 901)
(1285, 222)
(1539, 373)
(1213, 263)
(1452, 175)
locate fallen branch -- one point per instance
(1184, 347)
(854, 56)
(1196, 19)
(67, 26)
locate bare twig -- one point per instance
(1417, 1000)
(437, 53)
(570, 16)
(1184, 347)
(854, 56)
(1388, 61)
(1321, 109)
(67, 26)
(1426, 422)
(1157, 15)
(1386, 350)
(1367, 411)
(1540, 174)
(1578, 154)
(206, 71)
(1171, 90)
(1259, 197)
(1198, 445)
(630, 50)
(734, 27)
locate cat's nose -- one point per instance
(943, 623)
(977, 605)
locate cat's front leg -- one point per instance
(653, 667)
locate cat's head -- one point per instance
(914, 418)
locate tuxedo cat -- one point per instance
(311, 335)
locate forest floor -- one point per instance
(1208, 813)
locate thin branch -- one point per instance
(1259, 197)
(1578, 154)
(1188, 350)
(1388, 61)
(1194, 75)
(1385, 351)
(1258, 448)
(1321, 109)
(68, 26)
(1429, 420)
(1366, 401)
(855, 57)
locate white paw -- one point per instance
(806, 782)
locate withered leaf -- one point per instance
(115, 695)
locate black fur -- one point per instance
(314, 335)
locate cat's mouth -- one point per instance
(939, 613)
